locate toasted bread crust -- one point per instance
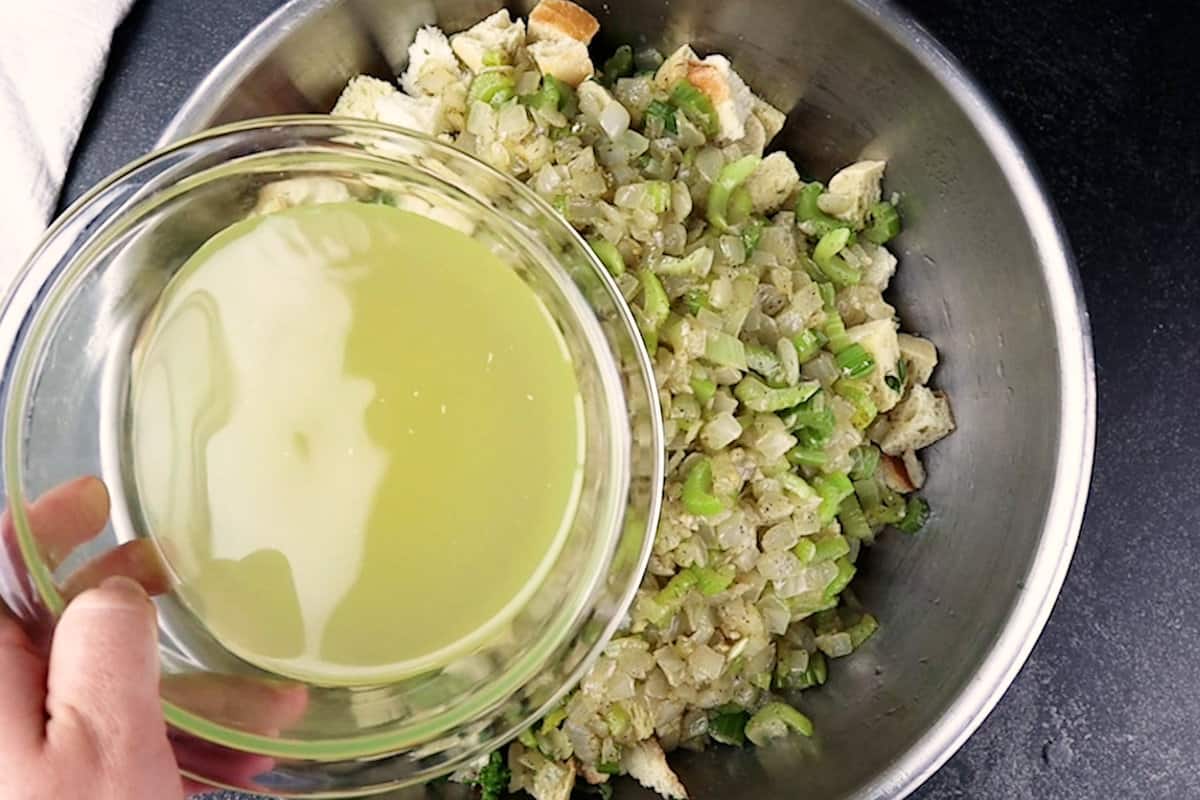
(552, 18)
(708, 79)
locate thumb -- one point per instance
(103, 677)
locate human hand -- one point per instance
(81, 705)
(82, 719)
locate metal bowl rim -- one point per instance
(1077, 401)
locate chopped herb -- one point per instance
(494, 777)
(665, 112)
(751, 234)
(696, 299)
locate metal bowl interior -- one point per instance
(985, 273)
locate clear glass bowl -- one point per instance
(68, 328)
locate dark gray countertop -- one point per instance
(1105, 95)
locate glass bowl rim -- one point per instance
(320, 750)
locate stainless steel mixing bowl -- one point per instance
(985, 273)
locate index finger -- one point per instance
(63, 518)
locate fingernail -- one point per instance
(129, 589)
(93, 495)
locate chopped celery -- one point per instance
(725, 350)
(766, 363)
(855, 362)
(829, 548)
(713, 581)
(757, 396)
(696, 262)
(888, 510)
(704, 389)
(867, 491)
(618, 720)
(659, 194)
(862, 630)
(807, 210)
(696, 106)
(654, 299)
(672, 332)
(832, 488)
(619, 65)
(609, 255)
(916, 513)
(740, 206)
(814, 417)
(495, 58)
(832, 265)
(835, 332)
(697, 493)
(840, 581)
(826, 622)
(729, 178)
(859, 396)
(554, 95)
(883, 223)
(554, 718)
(670, 597)
(728, 726)
(493, 88)
(830, 245)
(866, 462)
(805, 550)
(655, 308)
(806, 456)
(775, 720)
(828, 297)
(854, 522)
(815, 674)
(796, 485)
(808, 344)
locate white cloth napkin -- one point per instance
(51, 60)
